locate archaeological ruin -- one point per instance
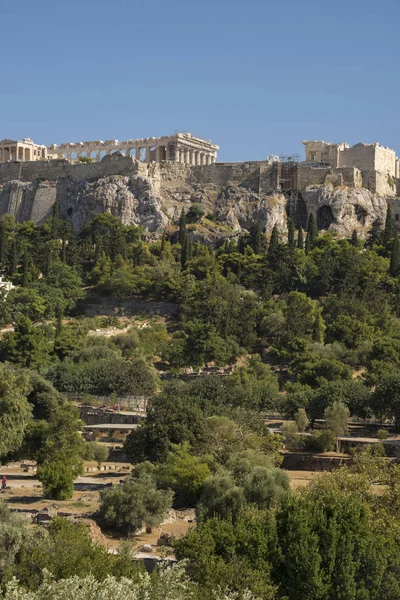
(147, 182)
(24, 150)
(183, 148)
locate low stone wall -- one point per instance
(300, 461)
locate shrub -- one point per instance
(382, 434)
(320, 441)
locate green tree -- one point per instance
(388, 230)
(395, 257)
(312, 231)
(60, 458)
(100, 453)
(257, 237)
(15, 410)
(274, 242)
(354, 238)
(375, 234)
(185, 473)
(301, 419)
(291, 227)
(336, 420)
(385, 401)
(300, 239)
(135, 502)
(221, 497)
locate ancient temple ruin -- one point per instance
(24, 150)
(181, 148)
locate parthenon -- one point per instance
(181, 147)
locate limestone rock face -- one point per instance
(153, 195)
(343, 209)
(132, 199)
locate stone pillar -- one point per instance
(187, 157)
(158, 159)
(148, 154)
(138, 153)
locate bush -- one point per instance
(57, 478)
(136, 502)
(382, 434)
(320, 441)
(195, 213)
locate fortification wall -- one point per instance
(369, 157)
(53, 170)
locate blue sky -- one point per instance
(255, 77)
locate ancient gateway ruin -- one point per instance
(181, 148)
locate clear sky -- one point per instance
(255, 77)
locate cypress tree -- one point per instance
(3, 245)
(26, 270)
(307, 244)
(162, 249)
(241, 245)
(186, 251)
(182, 227)
(55, 221)
(318, 333)
(291, 232)
(257, 238)
(312, 231)
(354, 238)
(375, 234)
(388, 231)
(300, 239)
(14, 259)
(274, 241)
(395, 257)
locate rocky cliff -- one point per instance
(152, 196)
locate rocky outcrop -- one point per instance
(343, 209)
(232, 196)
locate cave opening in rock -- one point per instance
(324, 217)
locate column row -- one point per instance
(193, 157)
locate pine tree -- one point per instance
(312, 231)
(291, 232)
(300, 239)
(394, 268)
(274, 241)
(354, 238)
(388, 231)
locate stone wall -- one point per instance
(369, 157)
(54, 170)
